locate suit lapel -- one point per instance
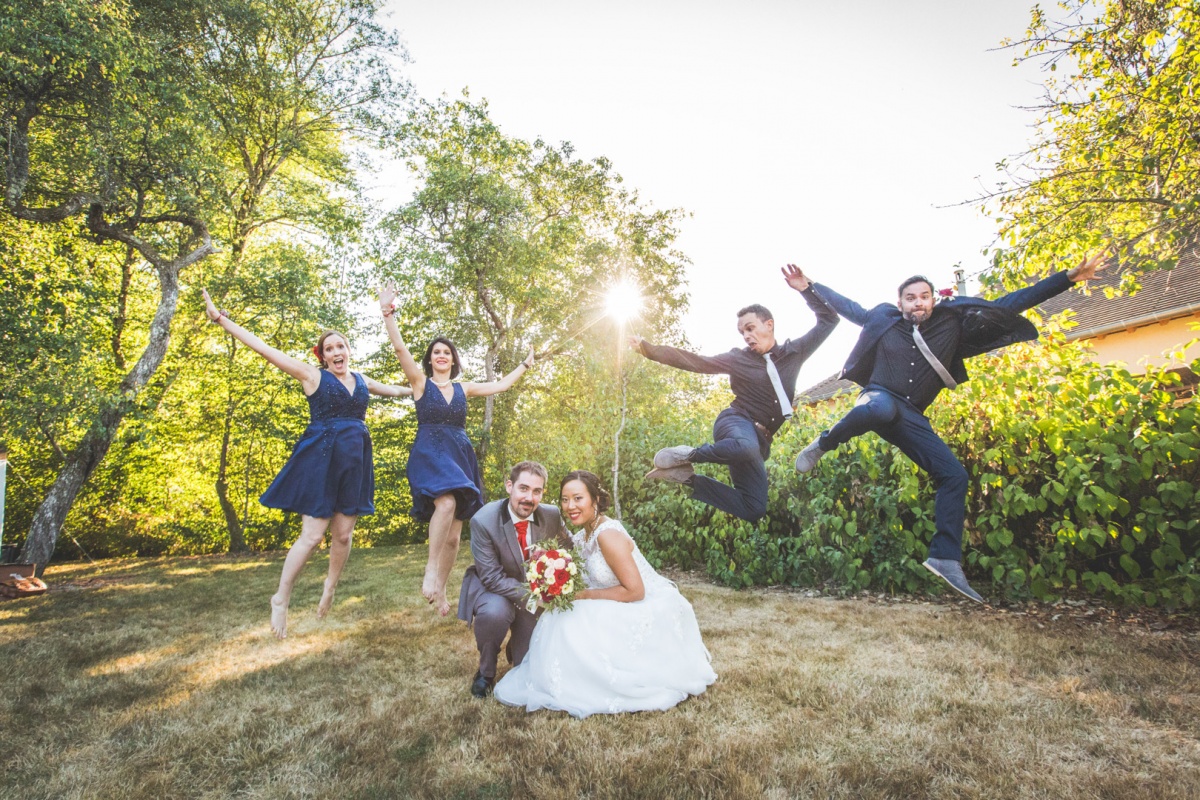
(508, 532)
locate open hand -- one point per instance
(795, 277)
(387, 296)
(210, 307)
(1088, 268)
(635, 343)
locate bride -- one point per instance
(629, 643)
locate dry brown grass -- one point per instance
(158, 678)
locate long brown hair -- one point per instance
(319, 349)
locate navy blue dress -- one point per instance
(330, 469)
(442, 459)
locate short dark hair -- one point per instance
(758, 309)
(591, 482)
(531, 467)
(427, 361)
(911, 281)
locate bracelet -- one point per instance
(221, 313)
(387, 312)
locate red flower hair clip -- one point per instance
(317, 352)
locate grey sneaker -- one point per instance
(809, 456)
(681, 474)
(673, 456)
(952, 573)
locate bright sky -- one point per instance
(837, 136)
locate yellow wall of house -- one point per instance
(1145, 345)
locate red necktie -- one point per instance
(522, 537)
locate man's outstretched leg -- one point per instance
(735, 444)
(873, 409)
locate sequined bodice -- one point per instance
(331, 400)
(432, 408)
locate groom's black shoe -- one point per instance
(482, 686)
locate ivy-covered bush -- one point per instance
(1083, 478)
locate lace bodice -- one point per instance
(597, 574)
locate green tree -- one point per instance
(97, 131)
(156, 123)
(1116, 157)
(508, 244)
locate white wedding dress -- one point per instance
(605, 657)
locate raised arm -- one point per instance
(618, 552)
(308, 375)
(487, 566)
(842, 305)
(681, 359)
(502, 385)
(1043, 290)
(412, 370)
(827, 316)
(386, 390)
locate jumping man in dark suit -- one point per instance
(762, 376)
(905, 356)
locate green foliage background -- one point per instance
(1082, 478)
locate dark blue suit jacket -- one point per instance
(987, 324)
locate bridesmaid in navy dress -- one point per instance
(443, 472)
(330, 478)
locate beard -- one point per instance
(918, 316)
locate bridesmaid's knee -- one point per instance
(445, 503)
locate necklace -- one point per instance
(591, 528)
(439, 383)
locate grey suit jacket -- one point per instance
(499, 568)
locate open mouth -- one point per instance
(337, 361)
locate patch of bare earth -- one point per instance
(161, 680)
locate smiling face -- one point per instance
(335, 352)
(525, 493)
(578, 505)
(758, 334)
(916, 302)
(441, 357)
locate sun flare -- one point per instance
(623, 301)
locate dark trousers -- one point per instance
(736, 443)
(899, 422)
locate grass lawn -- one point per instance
(158, 678)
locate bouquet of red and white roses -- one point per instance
(553, 578)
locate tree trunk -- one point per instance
(87, 455)
(489, 406)
(237, 538)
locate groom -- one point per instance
(494, 589)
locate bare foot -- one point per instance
(429, 588)
(279, 611)
(443, 605)
(326, 600)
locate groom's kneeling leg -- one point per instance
(522, 632)
(494, 615)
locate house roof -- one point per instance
(826, 389)
(1165, 294)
